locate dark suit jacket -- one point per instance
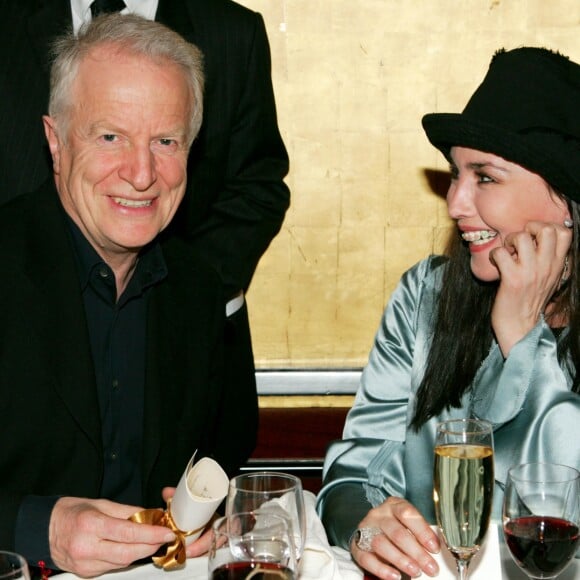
(50, 428)
(236, 198)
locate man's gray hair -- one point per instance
(130, 33)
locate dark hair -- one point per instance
(462, 332)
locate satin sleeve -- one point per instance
(528, 399)
(375, 429)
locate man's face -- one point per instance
(120, 169)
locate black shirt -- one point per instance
(117, 333)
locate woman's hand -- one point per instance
(530, 264)
(403, 545)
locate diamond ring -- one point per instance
(363, 538)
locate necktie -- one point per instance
(104, 6)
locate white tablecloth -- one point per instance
(323, 562)
(319, 561)
(493, 562)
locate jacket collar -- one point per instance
(49, 263)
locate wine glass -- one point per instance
(13, 567)
(541, 517)
(276, 492)
(251, 545)
(463, 486)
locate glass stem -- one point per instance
(462, 566)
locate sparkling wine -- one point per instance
(542, 546)
(253, 571)
(463, 489)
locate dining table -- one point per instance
(321, 561)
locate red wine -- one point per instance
(542, 546)
(255, 570)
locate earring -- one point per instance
(568, 223)
(566, 270)
(565, 274)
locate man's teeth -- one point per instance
(479, 237)
(132, 202)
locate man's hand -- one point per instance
(91, 537)
(403, 545)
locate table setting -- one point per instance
(540, 515)
(271, 531)
(268, 518)
(319, 560)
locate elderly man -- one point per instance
(111, 337)
(236, 197)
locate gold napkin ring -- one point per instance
(175, 553)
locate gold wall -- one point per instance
(352, 80)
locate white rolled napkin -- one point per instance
(201, 489)
(319, 560)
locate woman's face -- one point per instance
(490, 197)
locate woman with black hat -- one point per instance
(492, 330)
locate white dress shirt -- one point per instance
(81, 10)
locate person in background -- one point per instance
(112, 333)
(490, 331)
(236, 197)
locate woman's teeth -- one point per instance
(479, 237)
(132, 202)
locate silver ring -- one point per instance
(363, 538)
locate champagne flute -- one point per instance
(541, 517)
(255, 545)
(276, 492)
(463, 486)
(13, 567)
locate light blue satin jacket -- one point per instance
(526, 397)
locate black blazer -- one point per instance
(50, 428)
(236, 198)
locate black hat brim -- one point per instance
(538, 152)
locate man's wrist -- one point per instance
(31, 537)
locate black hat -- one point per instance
(526, 110)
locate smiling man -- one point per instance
(111, 337)
(119, 140)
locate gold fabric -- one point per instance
(174, 556)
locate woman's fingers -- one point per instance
(403, 545)
(534, 258)
(531, 264)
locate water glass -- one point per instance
(279, 493)
(255, 545)
(13, 567)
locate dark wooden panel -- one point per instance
(298, 433)
(294, 440)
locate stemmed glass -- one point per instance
(13, 567)
(541, 517)
(249, 545)
(276, 492)
(463, 486)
